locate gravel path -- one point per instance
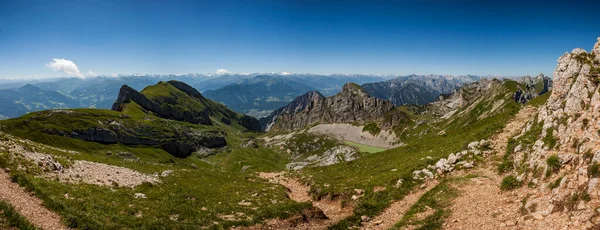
(28, 205)
(482, 205)
(397, 209)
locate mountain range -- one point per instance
(416, 89)
(100, 92)
(255, 95)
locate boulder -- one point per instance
(139, 196)
(452, 159)
(473, 145)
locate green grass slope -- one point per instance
(486, 115)
(208, 192)
(179, 101)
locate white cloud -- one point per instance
(66, 66)
(285, 73)
(222, 71)
(91, 74)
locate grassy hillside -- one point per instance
(474, 123)
(199, 192)
(219, 188)
(216, 189)
(179, 101)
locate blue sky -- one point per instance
(371, 37)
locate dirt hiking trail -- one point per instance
(397, 209)
(310, 219)
(481, 204)
(27, 205)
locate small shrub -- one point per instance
(585, 196)
(372, 128)
(510, 183)
(511, 145)
(571, 201)
(594, 170)
(537, 171)
(549, 139)
(588, 155)
(585, 122)
(575, 143)
(555, 184)
(505, 166)
(523, 203)
(553, 163)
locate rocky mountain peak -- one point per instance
(354, 89)
(540, 76)
(310, 96)
(352, 104)
(596, 49)
(127, 94)
(532, 87)
(178, 101)
(351, 87)
(29, 87)
(300, 103)
(187, 89)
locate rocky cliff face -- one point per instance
(558, 152)
(108, 127)
(352, 105)
(533, 87)
(298, 104)
(448, 104)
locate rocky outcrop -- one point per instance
(453, 161)
(532, 87)
(297, 105)
(335, 155)
(128, 94)
(352, 105)
(179, 141)
(448, 104)
(559, 148)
